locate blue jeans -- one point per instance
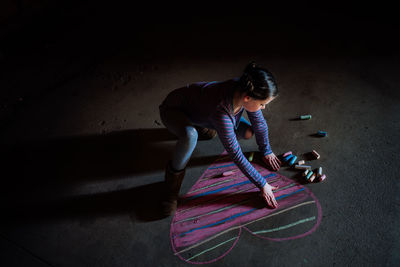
(180, 125)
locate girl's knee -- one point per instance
(191, 133)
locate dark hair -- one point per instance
(257, 82)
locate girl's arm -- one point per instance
(260, 128)
(224, 127)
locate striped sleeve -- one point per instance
(225, 129)
(260, 128)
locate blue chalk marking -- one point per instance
(219, 190)
(235, 215)
(287, 195)
(229, 165)
(269, 175)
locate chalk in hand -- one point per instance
(301, 162)
(306, 172)
(323, 177)
(309, 174)
(312, 178)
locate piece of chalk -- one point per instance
(301, 162)
(251, 156)
(309, 174)
(305, 117)
(227, 173)
(292, 161)
(323, 177)
(312, 178)
(306, 172)
(302, 167)
(322, 133)
(320, 171)
(315, 153)
(288, 157)
(287, 154)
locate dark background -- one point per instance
(83, 148)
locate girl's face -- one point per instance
(253, 105)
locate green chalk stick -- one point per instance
(251, 156)
(305, 117)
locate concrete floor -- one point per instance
(83, 147)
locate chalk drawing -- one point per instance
(211, 216)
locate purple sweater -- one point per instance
(210, 104)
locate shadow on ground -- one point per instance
(38, 174)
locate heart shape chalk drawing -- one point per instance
(211, 216)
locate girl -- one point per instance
(204, 109)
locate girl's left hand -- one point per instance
(272, 161)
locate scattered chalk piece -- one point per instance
(287, 154)
(302, 167)
(322, 133)
(305, 117)
(315, 153)
(251, 156)
(288, 157)
(227, 173)
(292, 161)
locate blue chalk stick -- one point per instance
(292, 161)
(288, 157)
(322, 133)
(309, 175)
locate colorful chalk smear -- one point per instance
(211, 216)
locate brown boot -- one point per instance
(173, 182)
(205, 133)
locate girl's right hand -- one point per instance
(268, 195)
